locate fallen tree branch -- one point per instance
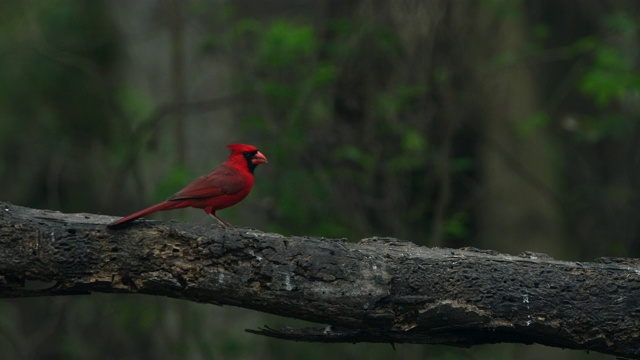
(378, 290)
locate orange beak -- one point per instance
(258, 158)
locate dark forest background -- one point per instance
(509, 125)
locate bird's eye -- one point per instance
(245, 153)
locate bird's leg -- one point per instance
(220, 221)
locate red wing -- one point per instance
(219, 182)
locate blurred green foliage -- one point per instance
(294, 69)
(356, 141)
(612, 76)
(295, 85)
(284, 46)
(54, 111)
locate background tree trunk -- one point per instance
(515, 150)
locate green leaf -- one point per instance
(456, 225)
(279, 91)
(247, 27)
(285, 43)
(461, 164)
(585, 44)
(534, 123)
(413, 141)
(505, 58)
(323, 75)
(136, 103)
(622, 24)
(610, 77)
(541, 31)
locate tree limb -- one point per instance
(376, 290)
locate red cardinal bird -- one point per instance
(224, 186)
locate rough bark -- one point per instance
(376, 290)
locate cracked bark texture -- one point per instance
(376, 290)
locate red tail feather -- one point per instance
(167, 205)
